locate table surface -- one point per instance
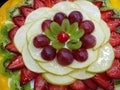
(2, 2)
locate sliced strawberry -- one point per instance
(11, 47)
(117, 51)
(113, 23)
(78, 85)
(114, 39)
(38, 4)
(106, 15)
(12, 33)
(26, 76)
(98, 3)
(49, 3)
(91, 84)
(25, 10)
(40, 83)
(55, 87)
(16, 63)
(114, 71)
(19, 20)
(104, 81)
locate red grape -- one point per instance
(41, 41)
(64, 57)
(63, 37)
(48, 53)
(59, 17)
(88, 26)
(88, 41)
(80, 54)
(46, 25)
(75, 16)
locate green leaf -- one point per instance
(55, 28)
(74, 44)
(73, 28)
(50, 35)
(118, 30)
(77, 35)
(66, 25)
(117, 81)
(57, 45)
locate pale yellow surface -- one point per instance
(3, 18)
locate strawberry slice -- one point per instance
(113, 23)
(114, 39)
(117, 51)
(104, 81)
(49, 3)
(98, 3)
(106, 15)
(78, 85)
(26, 76)
(12, 33)
(38, 4)
(40, 83)
(56, 87)
(91, 84)
(114, 71)
(19, 20)
(11, 47)
(16, 63)
(25, 10)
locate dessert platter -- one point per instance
(60, 45)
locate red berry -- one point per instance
(62, 37)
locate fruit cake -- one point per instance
(60, 45)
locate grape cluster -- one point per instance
(65, 56)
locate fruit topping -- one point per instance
(98, 3)
(40, 83)
(25, 10)
(38, 4)
(104, 81)
(117, 51)
(48, 53)
(26, 76)
(80, 54)
(64, 57)
(12, 33)
(114, 71)
(57, 87)
(88, 41)
(88, 26)
(114, 39)
(62, 37)
(41, 41)
(75, 16)
(78, 85)
(19, 20)
(16, 63)
(11, 47)
(59, 17)
(46, 25)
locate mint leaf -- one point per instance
(65, 25)
(55, 28)
(73, 28)
(77, 35)
(74, 44)
(50, 35)
(57, 45)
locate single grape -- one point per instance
(48, 53)
(88, 41)
(88, 26)
(59, 17)
(75, 16)
(80, 54)
(41, 41)
(46, 25)
(64, 57)
(62, 37)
